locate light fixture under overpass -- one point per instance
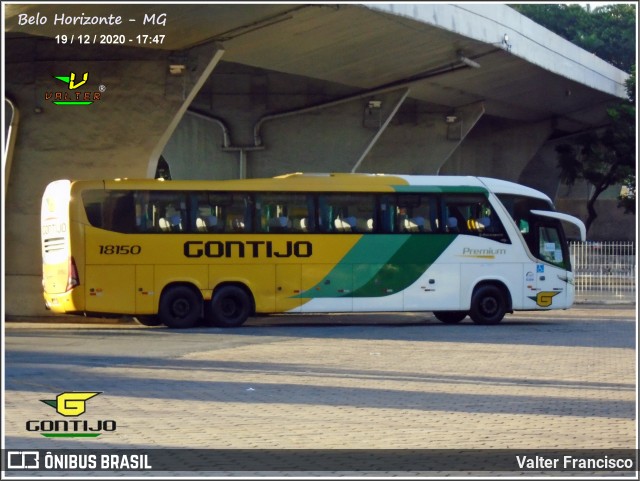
(177, 69)
(467, 61)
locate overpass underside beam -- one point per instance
(203, 75)
(372, 107)
(499, 148)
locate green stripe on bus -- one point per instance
(370, 249)
(448, 189)
(408, 263)
(380, 265)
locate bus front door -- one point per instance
(548, 280)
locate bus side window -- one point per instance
(452, 224)
(165, 212)
(388, 215)
(416, 213)
(352, 212)
(94, 213)
(285, 212)
(306, 221)
(233, 212)
(173, 215)
(473, 215)
(324, 214)
(120, 212)
(203, 214)
(461, 213)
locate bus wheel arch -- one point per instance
(450, 317)
(231, 305)
(180, 305)
(490, 301)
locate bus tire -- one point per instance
(488, 305)
(450, 317)
(229, 307)
(180, 307)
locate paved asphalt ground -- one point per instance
(545, 380)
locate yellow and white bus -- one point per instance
(173, 252)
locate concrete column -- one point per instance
(206, 61)
(419, 142)
(134, 102)
(498, 148)
(373, 105)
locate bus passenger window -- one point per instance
(416, 213)
(224, 212)
(174, 217)
(347, 213)
(205, 217)
(206, 223)
(161, 212)
(287, 212)
(119, 214)
(452, 225)
(94, 213)
(473, 214)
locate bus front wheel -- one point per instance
(229, 307)
(488, 305)
(180, 307)
(450, 317)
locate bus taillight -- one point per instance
(73, 280)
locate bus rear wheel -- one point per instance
(488, 305)
(180, 307)
(450, 317)
(229, 307)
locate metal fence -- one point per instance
(604, 271)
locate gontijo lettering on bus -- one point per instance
(241, 249)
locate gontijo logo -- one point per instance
(71, 404)
(544, 298)
(74, 96)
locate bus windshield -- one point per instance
(544, 235)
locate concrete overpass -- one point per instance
(233, 90)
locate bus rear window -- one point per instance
(136, 211)
(110, 210)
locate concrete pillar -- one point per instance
(418, 141)
(498, 148)
(134, 101)
(372, 107)
(206, 59)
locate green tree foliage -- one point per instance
(606, 158)
(608, 32)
